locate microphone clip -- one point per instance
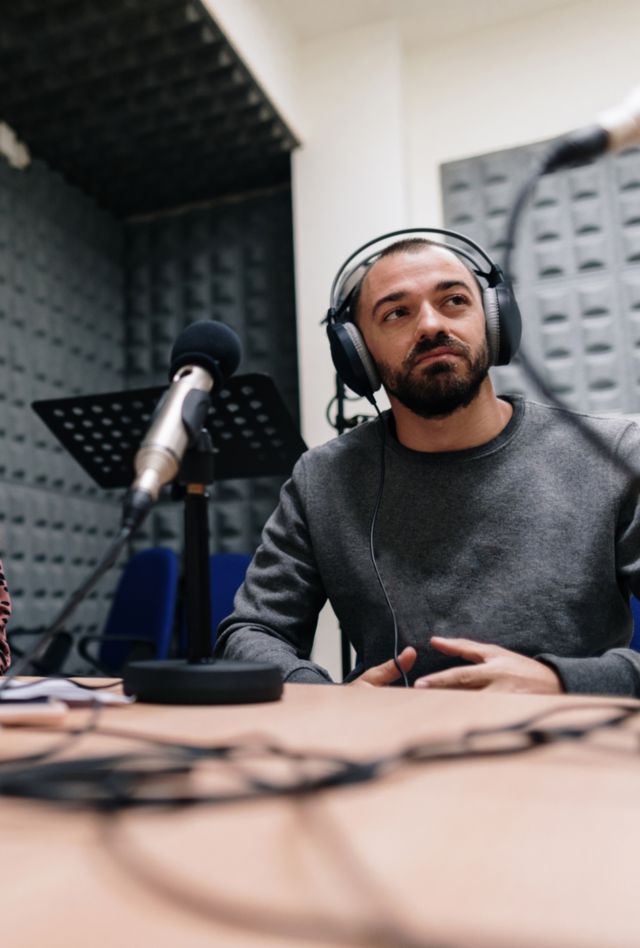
(198, 462)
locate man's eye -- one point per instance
(458, 300)
(394, 314)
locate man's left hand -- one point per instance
(494, 669)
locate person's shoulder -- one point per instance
(611, 427)
(348, 448)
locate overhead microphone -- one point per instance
(614, 129)
(203, 357)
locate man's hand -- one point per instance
(495, 669)
(384, 674)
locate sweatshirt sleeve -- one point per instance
(276, 609)
(617, 671)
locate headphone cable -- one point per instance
(383, 442)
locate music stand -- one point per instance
(248, 433)
(252, 432)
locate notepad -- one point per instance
(64, 690)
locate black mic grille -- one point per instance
(209, 344)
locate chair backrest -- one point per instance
(143, 605)
(635, 611)
(226, 572)
(226, 575)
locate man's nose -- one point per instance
(430, 321)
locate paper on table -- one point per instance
(48, 712)
(63, 689)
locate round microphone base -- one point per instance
(211, 681)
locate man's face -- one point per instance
(420, 314)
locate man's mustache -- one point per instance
(438, 342)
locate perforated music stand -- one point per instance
(248, 433)
(252, 432)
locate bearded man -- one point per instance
(465, 540)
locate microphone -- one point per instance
(618, 127)
(203, 357)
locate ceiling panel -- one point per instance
(141, 103)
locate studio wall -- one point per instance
(62, 324)
(231, 260)
(89, 303)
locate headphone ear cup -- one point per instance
(504, 323)
(352, 359)
(492, 319)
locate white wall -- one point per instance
(349, 182)
(512, 84)
(268, 48)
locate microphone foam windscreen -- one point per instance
(209, 344)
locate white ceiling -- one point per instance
(420, 20)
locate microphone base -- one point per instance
(211, 681)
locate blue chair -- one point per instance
(635, 611)
(141, 619)
(226, 575)
(226, 572)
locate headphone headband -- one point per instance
(493, 276)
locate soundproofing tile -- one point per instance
(577, 267)
(62, 325)
(131, 110)
(88, 304)
(143, 104)
(233, 261)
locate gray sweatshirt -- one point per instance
(531, 541)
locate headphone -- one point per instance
(349, 353)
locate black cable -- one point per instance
(85, 687)
(70, 736)
(296, 926)
(111, 784)
(352, 422)
(523, 195)
(107, 561)
(118, 781)
(383, 445)
(20, 686)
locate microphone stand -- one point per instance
(267, 444)
(201, 679)
(341, 424)
(196, 473)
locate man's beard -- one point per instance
(437, 389)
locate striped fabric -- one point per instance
(5, 612)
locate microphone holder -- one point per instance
(341, 424)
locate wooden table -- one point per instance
(537, 849)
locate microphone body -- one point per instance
(622, 122)
(179, 417)
(204, 355)
(614, 129)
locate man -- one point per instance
(506, 544)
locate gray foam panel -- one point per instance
(89, 304)
(231, 261)
(62, 325)
(577, 268)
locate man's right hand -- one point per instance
(381, 675)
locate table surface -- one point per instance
(536, 849)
